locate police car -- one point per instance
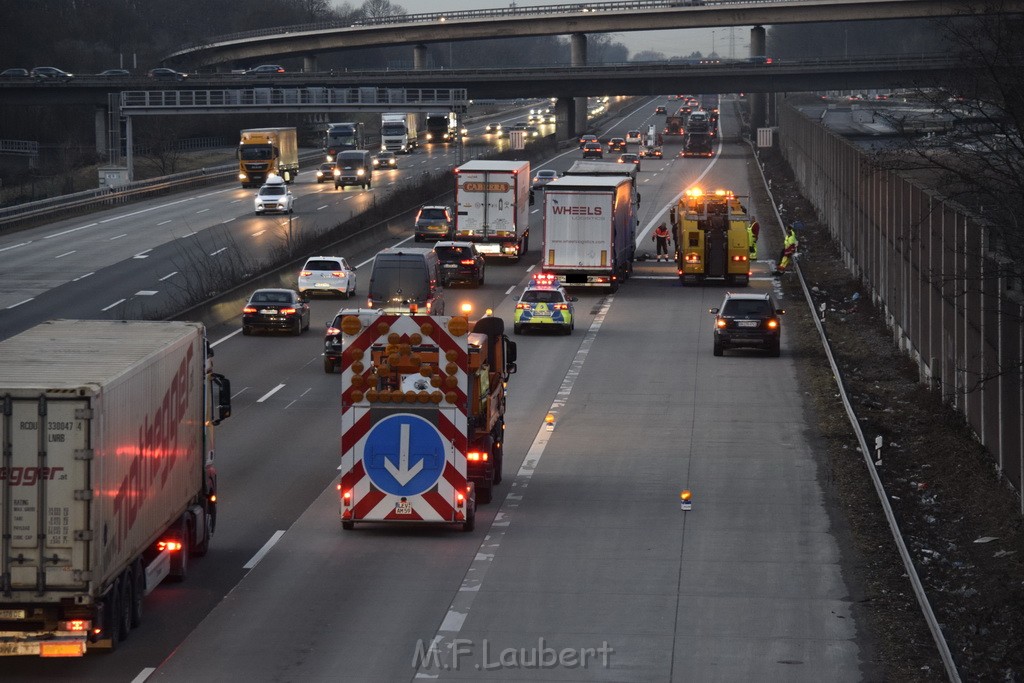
(544, 304)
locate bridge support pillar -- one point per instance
(565, 118)
(578, 57)
(309, 64)
(100, 119)
(419, 57)
(757, 100)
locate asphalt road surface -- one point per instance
(583, 568)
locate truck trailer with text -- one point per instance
(589, 230)
(107, 484)
(492, 201)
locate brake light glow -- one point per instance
(306, 273)
(467, 261)
(414, 308)
(522, 306)
(170, 546)
(476, 456)
(74, 625)
(287, 311)
(693, 257)
(338, 273)
(331, 331)
(739, 257)
(720, 323)
(561, 307)
(772, 324)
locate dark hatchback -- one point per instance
(333, 340)
(276, 309)
(460, 262)
(747, 321)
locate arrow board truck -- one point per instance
(263, 152)
(589, 230)
(422, 417)
(107, 483)
(493, 206)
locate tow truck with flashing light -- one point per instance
(422, 416)
(545, 304)
(711, 237)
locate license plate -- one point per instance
(324, 285)
(403, 508)
(746, 323)
(12, 614)
(268, 311)
(450, 265)
(70, 649)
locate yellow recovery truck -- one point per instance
(711, 238)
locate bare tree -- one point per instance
(381, 9)
(648, 56)
(979, 160)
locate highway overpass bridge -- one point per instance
(575, 20)
(310, 92)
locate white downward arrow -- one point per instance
(403, 474)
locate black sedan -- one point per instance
(460, 262)
(276, 309)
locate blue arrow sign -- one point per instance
(404, 455)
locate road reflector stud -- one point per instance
(685, 500)
(549, 421)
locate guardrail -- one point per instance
(134, 101)
(28, 148)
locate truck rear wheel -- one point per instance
(138, 593)
(203, 547)
(484, 491)
(124, 615)
(328, 366)
(470, 522)
(111, 615)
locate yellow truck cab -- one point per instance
(711, 237)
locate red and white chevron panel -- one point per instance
(361, 499)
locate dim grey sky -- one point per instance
(671, 43)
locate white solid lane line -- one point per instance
(168, 276)
(144, 674)
(224, 338)
(119, 301)
(270, 393)
(19, 303)
(264, 550)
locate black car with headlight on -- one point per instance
(747, 321)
